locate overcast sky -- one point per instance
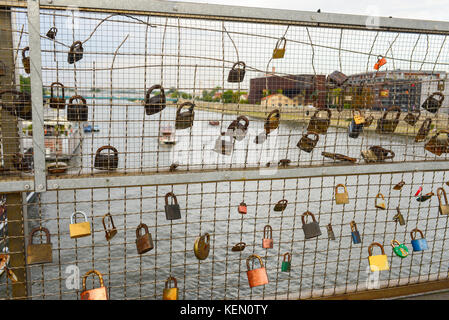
(418, 9)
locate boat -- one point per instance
(57, 167)
(168, 136)
(214, 122)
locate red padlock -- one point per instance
(242, 208)
(256, 277)
(267, 241)
(380, 62)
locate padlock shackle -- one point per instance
(139, 227)
(377, 197)
(110, 219)
(273, 114)
(340, 185)
(413, 233)
(155, 87)
(439, 191)
(184, 104)
(268, 232)
(207, 237)
(23, 52)
(315, 115)
(74, 45)
(288, 256)
(245, 119)
(172, 195)
(378, 149)
(279, 42)
(251, 257)
(77, 97)
(329, 227)
(74, 216)
(168, 282)
(392, 109)
(282, 202)
(307, 213)
(107, 148)
(241, 63)
(353, 226)
(356, 110)
(95, 272)
(370, 248)
(393, 242)
(437, 93)
(58, 84)
(239, 246)
(30, 240)
(317, 136)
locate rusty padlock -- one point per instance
(144, 243)
(170, 293)
(106, 161)
(52, 32)
(398, 217)
(399, 185)
(280, 205)
(368, 121)
(243, 209)
(172, 211)
(438, 145)
(424, 130)
(330, 232)
(236, 74)
(380, 62)
(57, 102)
(411, 118)
(380, 205)
(267, 241)
(278, 52)
(341, 198)
(109, 233)
(443, 208)
(26, 60)
(39, 253)
(320, 125)
(385, 125)
(75, 53)
(432, 104)
(77, 111)
(377, 154)
(337, 78)
(185, 119)
(307, 144)
(81, 229)
(272, 121)
(256, 277)
(157, 103)
(237, 129)
(239, 247)
(201, 246)
(100, 293)
(311, 229)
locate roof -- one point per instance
(275, 94)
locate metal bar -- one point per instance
(36, 95)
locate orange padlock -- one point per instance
(243, 208)
(256, 277)
(100, 293)
(267, 241)
(380, 62)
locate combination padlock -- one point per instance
(39, 253)
(443, 208)
(399, 249)
(418, 244)
(100, 293)
(311, 229)
(202, 246)
(170, 293)
(399, 217)
(109, 233)
(267, 241)
(144, 243)
(81, 229)
(341, 197)
(378, 262)
(355, 235)
(243, 209)
(172, 211)
(256, 277)
(330, 232)
(287, 262)
(280, 205)
(381, 204)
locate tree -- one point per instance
(228, 96)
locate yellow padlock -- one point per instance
(278, 52)
(380, 205)
(170, 293)
(358, 119)
(78, 230)
(379, 262)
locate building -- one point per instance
(276, 100)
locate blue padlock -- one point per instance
(355, 233)
(418, 244)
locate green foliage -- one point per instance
(25, 84)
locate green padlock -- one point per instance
(286, 264)
(400, 250)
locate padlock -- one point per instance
(185, 119)
(224, 144)
(337, 78)
(358, 118)
(109, 233)
(77, 111)
(342, 197)
(380, 62)
(81, 229)
(172, 211)
(75, 53)
(157, 103)
(399, 185)
(284, 163)
(411, 118)
(424, 130)
(355, 235)
(338, 156)
(400, 250)
(105, 161)
(20, 106)
(398, 217)
(425, 197)
(170, 293)
(385, 125)
(438, 145)
(267, 241)
(144, 243)
(278, 52)
(52, 32)
(236, 74)
(418, 244)
(443, 208)
(243, 208)
(26, 60)
(280, 205)
(319, 125)
(379, 205)
(330, 232)
(100, 293)
(354, 129)
(39, 253)
(307, 144)
(57, 102)
(239, 247)
(237, 129)
(3, 69)
(272, 121)
(202, 246)
(377, 154)
(368, 121)
(311, 229)
(432, 104)
(287, 262)
(378, 262)
(256, 277)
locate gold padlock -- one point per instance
(443, 208)
(78, 230)
(278, 52)
(202, 246)
(39, 253)
(109, 233)
(170, 293)
(380, 205)
(341, 198)
(378, 262)
(358, 118)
